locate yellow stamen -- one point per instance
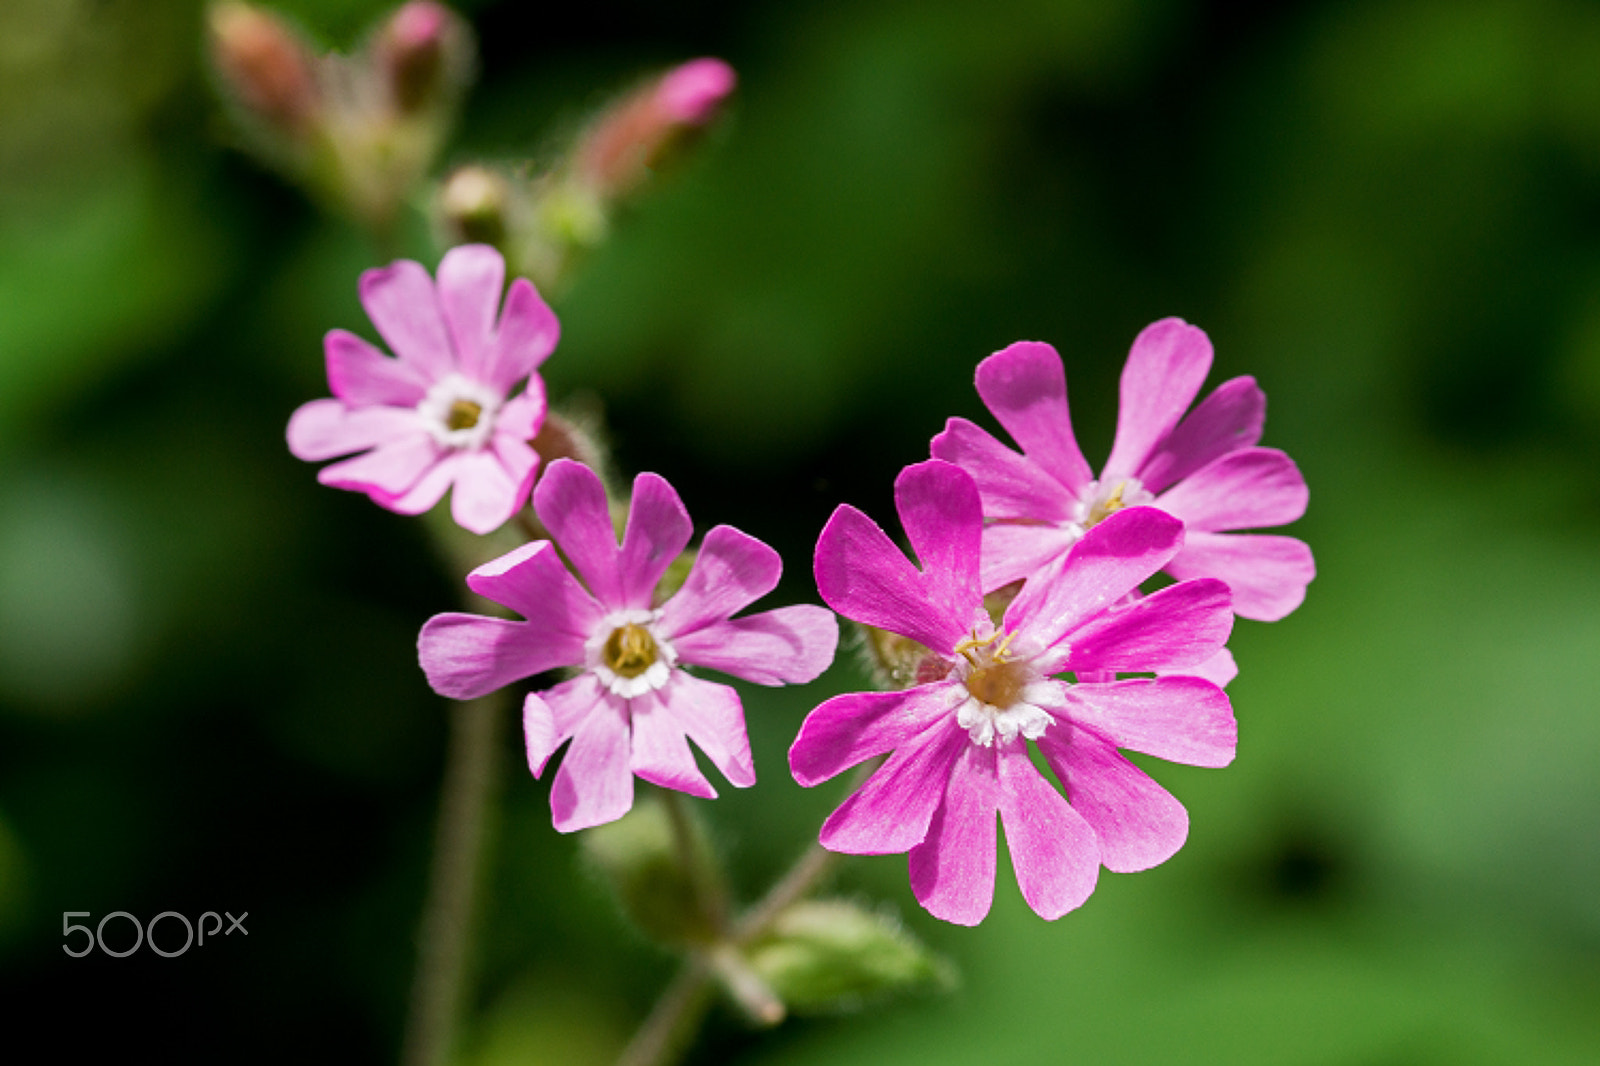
(630, 650)
(464, 414)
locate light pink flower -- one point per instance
(442, 414)
(632, 708)
(1203, 467)
(958, 744)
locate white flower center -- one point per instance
(998, 685)
(1101, 500)
(460, 412)
(628, 655)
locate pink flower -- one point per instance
(632, 705)
(958, 743)
(1203, 468)
(442, 414)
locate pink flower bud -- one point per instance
(265, 65)
(412, 51)
(692, 93)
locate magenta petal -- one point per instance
(1229, 419)
(428, 490)
(657, 532)
(467, 655)
(943, 518)
(389, 470)
(571, 503)
(470, 278)
(485, 495)
(714, 719)
(1016, 551)
(594, 784)
(1179, 626)
(1219, 670)
(1025, 386)
(1053, 850)
(1180, 719)
(863, 576)
(1168, 363)
(1248, 489)
(952, 870)
(401, 302)
(532, 581)
(731, 571)
(323, 429)
(853, 727)
(1268, 574)
(1110, 560)
(1137, 822)
(548, 721)
(660, 751)
(520, 463)
(527, 334)
(786, 646)
(1011, 485)
(523, 415)
(892, 811)
(360, 374)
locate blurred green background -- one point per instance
(1387, 212)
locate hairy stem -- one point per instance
(441, 978)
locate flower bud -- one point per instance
(641, 858)
(265, 66)
(415, 51)
(616, 153)
(692, 93)
(829, 955)
(473, 203)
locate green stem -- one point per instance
(440, 985)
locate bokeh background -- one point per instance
(1387, 212)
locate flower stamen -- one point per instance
(630, 650)
(464, 414)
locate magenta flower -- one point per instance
(632, 705)
(442, 414)
(1203, 468)
(958, 744)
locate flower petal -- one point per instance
(943, 518)
(1180, 719)
(853, 727)
(548, 721)
(1137, 823)
(714, 719)
(361, 375)
(658, 530)
(952, 869)
(1248, 489)
(523, 415)
(892, 811)
(401, 302)
(527, 334)
(1053, 849)
(1268, 574)
(1179, 626)
(470, 278)
(1110, 560)
(1168, 363)
(571, 503)
(485, 494)
(388, 471)
(429, 489)
(660, 752)
(533, 581)
(1229, 419)
(1025, 387)
(731, 571)
(786, 646)
(323, 429)
(1015, 551)
(467, 655)
(594, 784)
(1219, 670)
(1011, 485)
